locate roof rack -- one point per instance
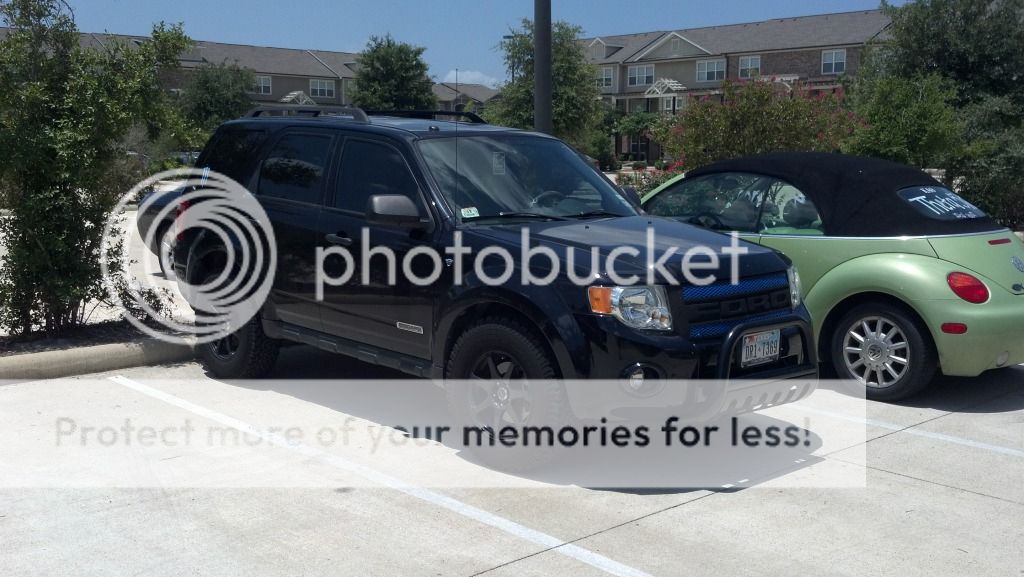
(312, 111)
(470, 117)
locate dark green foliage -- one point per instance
(575, 106)
(976, 45)
(64, 112)
(393, 76)
(217, 93)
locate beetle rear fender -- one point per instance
(906, 278)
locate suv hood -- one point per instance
(608, 234)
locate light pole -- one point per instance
(542, 66)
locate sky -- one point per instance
(458, 34)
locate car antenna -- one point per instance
(455, 105)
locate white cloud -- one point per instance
(471, 77)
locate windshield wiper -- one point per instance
(517, 215)
(598, 213)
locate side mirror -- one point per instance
(631, 195)
(394, 210)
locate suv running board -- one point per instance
(367, 353)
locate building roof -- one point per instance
(261, 59)
(446, 91)
(621, 46)
(844, 28)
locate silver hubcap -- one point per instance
(876, 352)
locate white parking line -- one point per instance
(918, 432)
(511, 527)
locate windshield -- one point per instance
(518, 175)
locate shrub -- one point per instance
(645, 182)
(754, 118)
(63, 112)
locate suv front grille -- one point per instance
(714, 310)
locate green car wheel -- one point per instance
(884, 350)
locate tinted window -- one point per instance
(728, 201)
(369, 168)
(939, 203)
(233, 152)
(294, 169)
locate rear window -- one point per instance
(939, 203)
(233, 152)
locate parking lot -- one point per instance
(944, 492)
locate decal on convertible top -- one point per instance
(939, 203)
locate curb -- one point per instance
(94, 359)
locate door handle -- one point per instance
(336, 239)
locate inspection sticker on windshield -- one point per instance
(498, 163)
(470, 212)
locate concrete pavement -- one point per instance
(943, 497)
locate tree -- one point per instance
(976, 45)
(393, 76)
(636, 124)
(905, 119)
(575, 107)
(63, 112)
(754, 118)
(216, 93)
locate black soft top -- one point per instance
(856, 196)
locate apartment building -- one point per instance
(459, 97)
(324, 76)
(663, 71)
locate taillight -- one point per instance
(967, 287)
(179, 225)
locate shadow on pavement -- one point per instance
(397, 400)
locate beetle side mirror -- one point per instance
(393, 210)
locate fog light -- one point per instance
(1002, 358)
(635, 378)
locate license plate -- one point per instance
(760, 348)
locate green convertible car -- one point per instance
(902, 276)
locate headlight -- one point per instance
(639, 307)
(795, 289)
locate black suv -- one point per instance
(418, 181)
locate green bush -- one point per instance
(754, 118)
(64, 110)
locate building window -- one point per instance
(320, 88)
(710, 70)
(638, 146)
(263, 85)
(606, 77)
(677, 45)
(750, 66)
(641, 75)
(833, 61)
(671, 103)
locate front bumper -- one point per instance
(698, 380)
